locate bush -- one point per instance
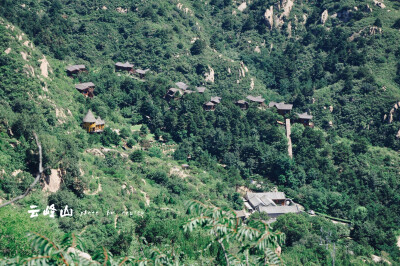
(137, 156)
(198, 47)
(130, 143)
(158, 176)
(155, 152)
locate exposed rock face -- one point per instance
(287, 6)
(269, 16)
(289, 29)
(209, 77)
(380, 4)
(242, 6)
(8, 50)
(324, 17)
(122, 10)
(52, 183)
(44, 67)
(374, 30)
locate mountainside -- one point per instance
(338, 61)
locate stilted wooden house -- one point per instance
(256, 99)
(209, 106)
(216, 100)
(173, 93)
(124, 67)
(242, 104)
(182, 86)
(86, 88)
(142, 73)
(283, 108)
(75, 70)
(305, 119)
(91, 124)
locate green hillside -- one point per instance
(338, 60)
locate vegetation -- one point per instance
(127, 186)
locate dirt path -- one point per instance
(146, 197)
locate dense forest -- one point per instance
(338, 60)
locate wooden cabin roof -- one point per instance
(305, 116)
(209, 104)
(257, 99)
(141, 71)
(182, 85)
(281, 105)
(125, 65)
(89, 117)
(99, 121)
(201, 89)
(241, 102)
(216, 99)
(84, 86)
(76, 67)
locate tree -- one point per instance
(226, 228)
(378, 23)
(137, 156)
(198, 47)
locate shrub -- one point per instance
(137, 156)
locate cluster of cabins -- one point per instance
(281, 107)
(87, 88)
(272, 203)
(89, 122)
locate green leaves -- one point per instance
(225, 226)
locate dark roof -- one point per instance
(305, 116)
(182, 85)
(140, 71)
(84, 86)
(281, 105)
(279, 209)
(201, 89)
(89, 117)
(216, 99)
(257, 99)
(76, 67)
(126, 65)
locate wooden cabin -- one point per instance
(209, 106)
(99, 124)
(124, 67)
(91, 124)
(201, 89)
(282, 108)
(173, 93)
(256, 99)
(75, 70)
(182, 86)
(305, 119)
(216, 100)
(242, 104)
(142, 73)
(86, 88)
